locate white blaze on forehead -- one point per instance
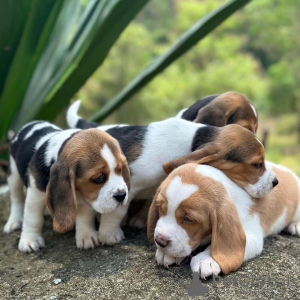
(167, 225)
(178, 192)
(38, 127)
(254, 110)
(109, 157)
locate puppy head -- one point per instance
(239, 154)
(91, 164)
(189, 208)
(229, 108)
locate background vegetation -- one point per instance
(255, 52)
(48, 49)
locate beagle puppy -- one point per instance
(173, 142)
(75, 172)
(199, 203)
(221, 110)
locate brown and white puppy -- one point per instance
(199, 203)
(221, 110)
(76, 172)
(232, 148)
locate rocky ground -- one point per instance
(129, 271)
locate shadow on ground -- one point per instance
(128, 271)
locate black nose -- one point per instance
(161, 241)
(275, 182)
(120, 196)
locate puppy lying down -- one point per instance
(76, 172)
(198, 203)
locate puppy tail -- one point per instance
(72, 114)
(75, 121)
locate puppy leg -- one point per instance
(86, 235)
(166, 260)
(17, 199)
(140, 219)
(31, 237)
(205, 265)
(110, 232)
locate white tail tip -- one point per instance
(72, 116)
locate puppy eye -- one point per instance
(257, 166)
(100, 179)
(187, 220)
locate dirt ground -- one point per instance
(129, 271)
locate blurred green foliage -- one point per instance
(254, 52)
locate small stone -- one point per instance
(53, 298)
(57, 281)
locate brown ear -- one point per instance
(126, 174)
(61, 197)
(228, 242)
(153, 217)
(202, 156)
(212, 114)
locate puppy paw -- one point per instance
(111, 237)
(30, 244)
(294, 228)
(166, 260)
(12, 225)
(138, 222)
(87, 240)
(205, 265)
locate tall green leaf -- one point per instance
(38, 27)
(186, 42)
(13, 17)
(96, 35)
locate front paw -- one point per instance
(205, 265)
(166, 260)
(29, 244)
(87, 240)
(12, 225)
(111, 237)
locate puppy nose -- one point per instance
(275, 182)
(162, 240)
(120, 196)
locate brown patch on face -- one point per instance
(85, 169)
(229, 108)
(286, 195)
(235, 151)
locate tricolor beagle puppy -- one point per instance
(173, 142)
(76, 171)
(221, 110)
(199, 203)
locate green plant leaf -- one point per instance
(99, 30)
(13, 17)
(38, 27)
(186, 42)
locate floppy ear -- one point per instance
(126, 174)
(212, 115)
(228, 243)
(201, 156)
(153, 217)
(61, 197)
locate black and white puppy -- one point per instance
(221, 110)
(76, 172)
(173, 142)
